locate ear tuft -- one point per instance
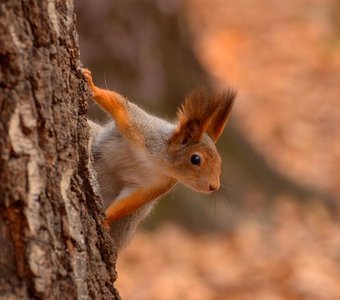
(201, 113)
(196, 106)
(221, 115)
(194, 116)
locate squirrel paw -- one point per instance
(88, 77)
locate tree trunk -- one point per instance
(52, 243)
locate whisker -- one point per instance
(178, 187)
(229, 195)
(172, 194)
(105, 73)
(213, 208)
(228, 188)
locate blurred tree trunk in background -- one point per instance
(141, 48)
(52, 244)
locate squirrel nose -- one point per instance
(213, 187)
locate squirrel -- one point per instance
(139, 157)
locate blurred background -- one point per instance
(273, 229)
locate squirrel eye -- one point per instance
(195, 159)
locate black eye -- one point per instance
(195, 159)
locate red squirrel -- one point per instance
(139, 157)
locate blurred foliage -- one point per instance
(271, 232)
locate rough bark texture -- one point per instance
(52, 244)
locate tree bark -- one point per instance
(52, 243)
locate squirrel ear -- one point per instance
(202, 113)
(194, 116)
(187, 132)
(220, 117)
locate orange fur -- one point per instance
(116, 106)
(130, 203)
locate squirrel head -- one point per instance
(194, 159)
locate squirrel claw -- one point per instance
(106, 224)
(86, 71)
(88, 77)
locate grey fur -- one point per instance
(121, 166)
